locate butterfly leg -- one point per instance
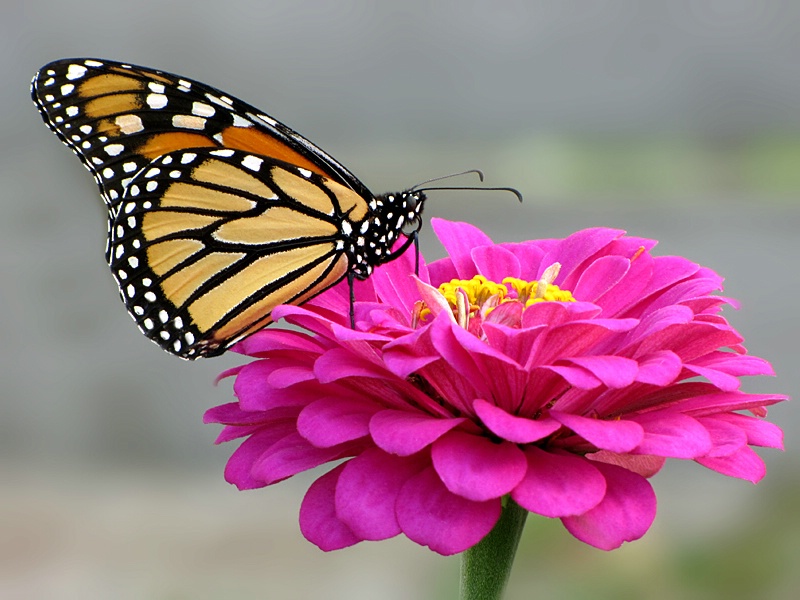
(351, 277)
(415, 237)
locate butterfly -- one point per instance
(217, 212)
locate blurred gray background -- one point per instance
(672, 119)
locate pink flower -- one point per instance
(561, 372)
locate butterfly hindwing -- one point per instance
(207, 242)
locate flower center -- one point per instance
(477, 297)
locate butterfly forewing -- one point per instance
(207, 242)
(118, 117)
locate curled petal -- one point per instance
(726, 437)
(643, 464)
(612, 371)
(431, 515)
(496, 262)
(515, 429)
(558, 485)
(659, 368)
(239, 470)
(743, 464)
(602, 275)
(459, 239)
(319, 523)
(366, 494)
(405, 433)
(672, 434)
(475, 467)
(617, 436)
(625, 513)
(759, 432)
(331, 421)
(291, 455)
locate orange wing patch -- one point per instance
(252, 140)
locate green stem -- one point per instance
(485, 567)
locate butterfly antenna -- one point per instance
(514, 191)
(478, 172)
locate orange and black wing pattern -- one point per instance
(217, 212)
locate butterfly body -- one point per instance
(217, 212)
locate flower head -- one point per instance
(559, 372)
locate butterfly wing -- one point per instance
(118, 117)
(207, 242)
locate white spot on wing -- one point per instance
(129, 124)
(156, 101)
(188, 122)
(75, 72)
(202, 110)
(240, 121)
(252, 162)
(224, 153)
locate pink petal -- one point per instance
(239, 470)
(726, 437)
(495, 262)
(743, 464)
(576, 377)
(434, 300)
(430, 515)
(458, 240)
(572, 251)
(659, 368)
(520, 430)
(617, 436)
(725, 382)
(612, 371)
(318, 521)
(255, 394)
(625, 513)
(707, 404)
(331, 421)
(441, 271)
(394, 282)
(266, 341)
(673, 435)
(559, 485)
(291, 455)
(644, 465)
(759, 433)
(602, 275)
(339, 363)
(366, 494)
(403, 432)
(476, 468)
(410, 353)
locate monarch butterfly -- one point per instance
(217, 212)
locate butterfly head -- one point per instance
(392, 216)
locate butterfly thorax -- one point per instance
(393, 216)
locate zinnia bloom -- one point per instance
(559, 372)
